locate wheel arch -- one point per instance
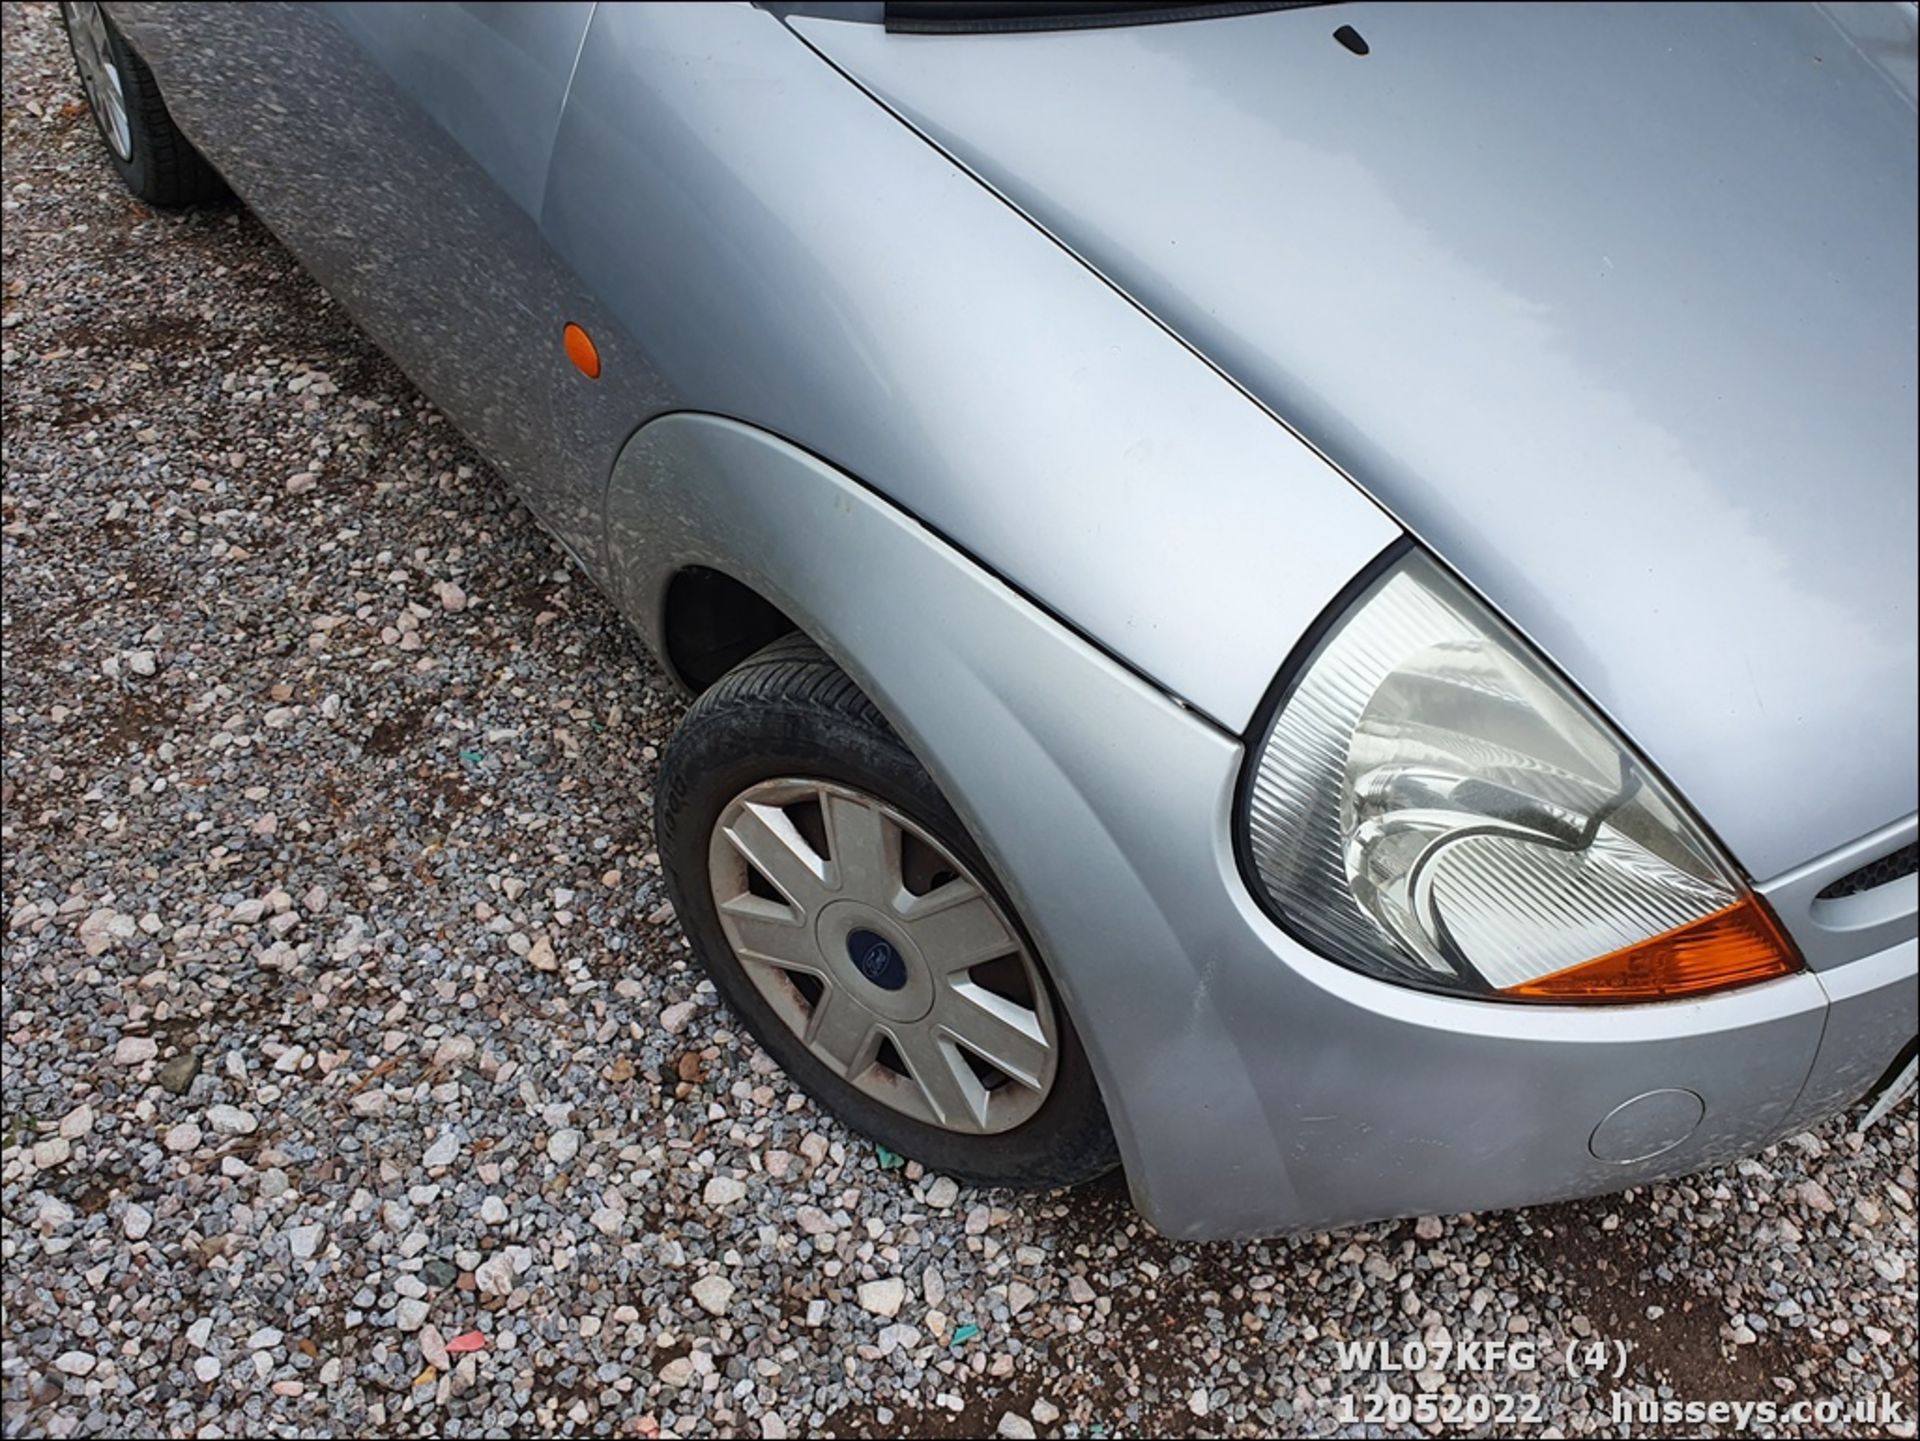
(721, 537)
(709, 622)
(708, 518)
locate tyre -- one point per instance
(156, 162)
(850, 922)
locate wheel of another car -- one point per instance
(156, 162)
(851, 923)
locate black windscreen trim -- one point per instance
(985, 17)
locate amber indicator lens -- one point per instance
(1734, 947)
(581, 350)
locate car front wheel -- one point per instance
(849, 920)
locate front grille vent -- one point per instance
(1889, 868)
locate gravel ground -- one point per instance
(358, 1080)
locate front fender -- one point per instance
(1034, 734)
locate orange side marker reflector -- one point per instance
(582, 351)
(1734, 947)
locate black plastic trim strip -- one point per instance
(1881, 871)
(982, 17)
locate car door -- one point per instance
(400, 151)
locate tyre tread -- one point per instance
(179, 175)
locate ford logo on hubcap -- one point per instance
(876, 959)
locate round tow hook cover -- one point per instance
(1646, 1126)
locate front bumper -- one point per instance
(1265, 1088)
(1355, 1101)
(1257, 1087)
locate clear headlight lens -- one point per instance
(1432, 805)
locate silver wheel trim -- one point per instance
(796, 952)
(99, 76)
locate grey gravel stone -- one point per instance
(55, 1151)
(184, 1137)
(494, 1276)
(135, 1050)
(883, 1298)
(453, 1051)
(136, 1222)
(723, 1191)
(231, 1121)
(713, 1293)
(444, 1151)
(304, 1241)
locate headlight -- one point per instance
(1432, 805)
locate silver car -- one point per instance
(1316, 602)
